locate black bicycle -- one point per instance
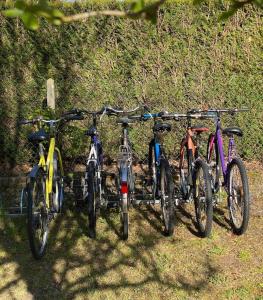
(160, 171)
(195, 183)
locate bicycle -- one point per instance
(235, 181)
(162, 183)
(195, 184)
(92, 189)
(44, 191)
(126, 178)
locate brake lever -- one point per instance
(103, 113)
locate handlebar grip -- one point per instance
(73, 117)
(25, 122)
(71, 112)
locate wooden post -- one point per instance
(51, 93)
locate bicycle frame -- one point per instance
(157, 151)
(217, 141)
(95, 157)
(191, 152)
(125, 164)
(93, 154)
(157, 144)
(47, 165)
(189, 144)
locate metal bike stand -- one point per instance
(15, 211)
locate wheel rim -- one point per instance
(183, 172)
(236, 195)
(39, 216)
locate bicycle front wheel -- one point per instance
(238, 196)
(186, 158)
(152, 170)
(167, 201)
(57, 186)
(202, 193)
(37, 215)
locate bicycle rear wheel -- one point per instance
(167, 201)
(238, 196)
(37, 215)
(91, 200)
(202, 193)
(124, 202)
(125, 225)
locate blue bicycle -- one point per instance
(159, 167)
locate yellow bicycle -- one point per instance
(45, 188)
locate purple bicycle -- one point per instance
(234, 179)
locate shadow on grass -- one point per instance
(75, 265)
(220, 218)
(186, 218)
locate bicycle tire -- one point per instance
(91, 201)
(167, 197)
(37, 220)
(131, 185)
(212, 158)
(124, 200)
(125, 225)
(185, 173)
(57, 186)
(238, 229)
(203, 198)
(152, 169)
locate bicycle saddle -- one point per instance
(232, 130)
(91, 131)
(38, 136)
(199, 128)
(161, 127)
(125, 121)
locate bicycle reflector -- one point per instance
(124, 187)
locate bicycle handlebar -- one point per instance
(48, 122)
(169, 116)
(105, 110)
(231, 111)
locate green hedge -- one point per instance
(189, 59)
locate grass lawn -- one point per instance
(147, 266)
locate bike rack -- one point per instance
(143, 198)
(15, 211)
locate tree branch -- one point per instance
(114, 13)
(86, 15)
